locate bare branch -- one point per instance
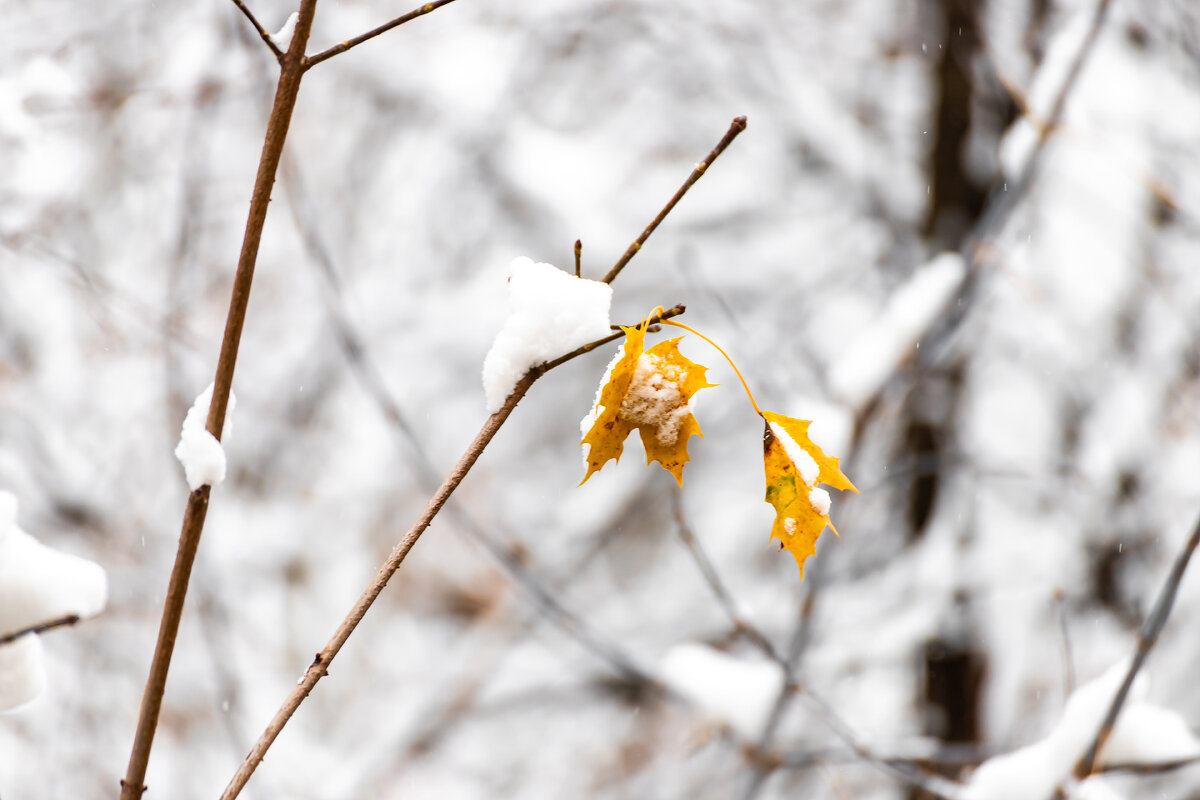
(737, 126)
(41, 627)
(320, 665)
(132, 785)
(263, 33)
(371, 34)
(1147, 638)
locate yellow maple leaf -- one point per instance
(649, 390)
(794, 467)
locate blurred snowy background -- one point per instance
(1024, 424)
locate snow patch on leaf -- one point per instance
(651, 391)
(794, 465)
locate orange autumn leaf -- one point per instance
(651, 391)
(794, 467)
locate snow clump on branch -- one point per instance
(37, 585)
(200, 452)
(551, 313)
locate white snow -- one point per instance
(655, 397)
(806, 465)
(1148, 734)
(200, 453)
(876, 352)
(1143, 734)
(37, 584)
(1096, 787)
(737, 691)
(22, 675)
(820, 500)
(283, 37)
(551, 313)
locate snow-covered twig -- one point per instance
(263, 33)
(287, 89)
(371, 34)
(41, 627)
(1147, 638)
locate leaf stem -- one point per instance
(690, 329)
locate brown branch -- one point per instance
(737, 126)
(578, 257)
(291, 72)
(41, 627)
(263, 33)
(320, 666)
(1147, 638)
(337, 49)
(673, 311)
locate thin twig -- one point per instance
(312, 61)
(719, 590)
(440, 715)
(737, 126)
(132, 785)
(320, 665)
(1147, 638)
(673, 311)
(1156, 768)
(578, 258)
(263, 33)
(41, 627)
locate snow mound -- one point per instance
(1143, 734)
(551, 313)
(736, 691)
(37, 584)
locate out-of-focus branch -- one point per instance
(263, 33)
(1009, 197)
(371, 34)
(41, 627)
(1147, 638)
(743, 626)
(906, 773)
(286, 92)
